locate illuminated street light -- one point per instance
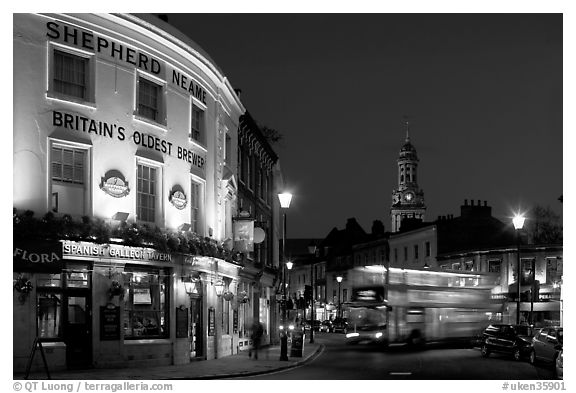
(285, 199)
(518, 222)
(339, 279)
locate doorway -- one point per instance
(196, 330)
(78, 330)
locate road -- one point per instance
(343, 362)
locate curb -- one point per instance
(310, 357)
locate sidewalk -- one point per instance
(229, 366)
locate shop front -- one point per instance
(110, 305)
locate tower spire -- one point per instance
(407, 126)
(407, 131)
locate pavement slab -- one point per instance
(230, 366)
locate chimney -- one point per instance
(238, 92)
(163, 17)
(377, 228)
(465, 202)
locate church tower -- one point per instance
(408, 198)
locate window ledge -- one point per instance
(160, 126)
(53, 344)
(70, 99)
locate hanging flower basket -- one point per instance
(116, 289)
(243, 297)
(23, 285)
(228, 296)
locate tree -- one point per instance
(272, 135)
(544, 226)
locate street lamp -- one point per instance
(285, 199)
(518, 222)
(289, 266)
(339, 279)
(312, 250)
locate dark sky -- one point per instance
(483, 93)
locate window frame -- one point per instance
(89, 75)
(160, 119)
(163, 310)
(198, 226)
(52, 196)
(158, 200)
(201, 139)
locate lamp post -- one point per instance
(285, 199)
(289, 266)
(339, 279)
(312, 250)
(518, 222)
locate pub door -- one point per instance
(78, 329)
(196, 331)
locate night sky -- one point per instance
(483, 94)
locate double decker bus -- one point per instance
(419, 306)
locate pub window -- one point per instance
(395, 255)
(552, 275)
(416, 251)
(150, 100)
(197, 125)
(49, 305)
(494, 266)
(147, 192)
(428, 250)
(526, 268)
(49, 314)
(228, 150)
(145, 303)
(250, 173)
(71, 75)
(196, 209)
(405, 253)
(67, 164)
(68, 167)
(345, 295)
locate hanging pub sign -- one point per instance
(114, 184)
(37, 256)
(244, 235)
(177, 198)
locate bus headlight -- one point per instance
(291, 327)
(379, 334)
(348, 335)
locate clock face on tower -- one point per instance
(408, 196)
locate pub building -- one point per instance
(125, 156)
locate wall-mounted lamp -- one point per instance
(184, 227)
(219, 286)
(289, 265)
(120, 216)
(190, 284)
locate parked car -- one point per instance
(340, 325)
(546, 345)
(309, 323)
(560, 364)
(515, 340)
(326, 326)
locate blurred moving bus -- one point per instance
(419, 306)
